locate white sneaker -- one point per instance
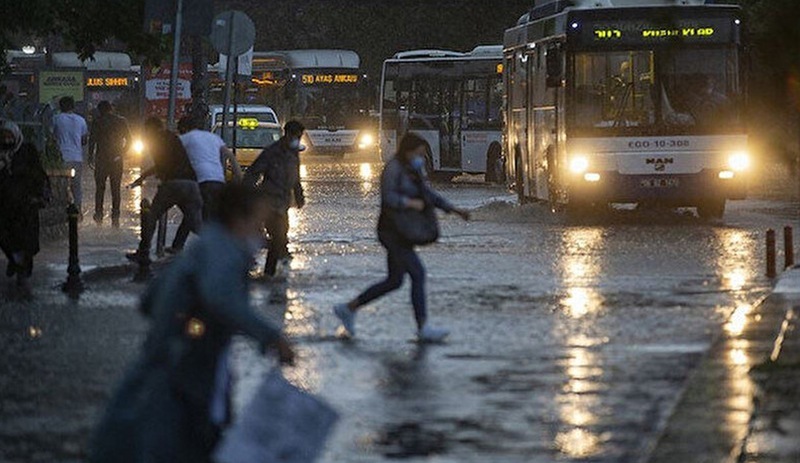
(347, 317)
(431, 334)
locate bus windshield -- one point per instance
(669, 91)
(327, 107)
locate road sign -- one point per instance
(232, 33)
(245, 67)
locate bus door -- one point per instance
(518, 123)
(544, 145)
(450, 128)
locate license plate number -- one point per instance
(660, 183)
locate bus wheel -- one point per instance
(711, 208)
(494, 166)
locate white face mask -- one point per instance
(294, 144)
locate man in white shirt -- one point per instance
(72, 134)
(208, 155)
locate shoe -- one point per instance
(138, 258)
(347, 317)
(172, 250)
(115, 222)
(431, 334)
(98, 219)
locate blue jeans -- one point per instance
(401, 259)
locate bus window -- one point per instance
(476, 96)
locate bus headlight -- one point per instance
(366, 141)
(739, 161)
(138, 146)
(579, 164)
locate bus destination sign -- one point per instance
(312, 79)
(643, 32)
(107, 82)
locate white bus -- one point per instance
(326, 90)
(622, 101)
(451, 99)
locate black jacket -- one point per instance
(276, 173)
(108, 140)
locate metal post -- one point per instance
(788, 247)
(771, 272)
(143, 273)
(235, 105)
(228, 78)
(176, 56)
(74, 285)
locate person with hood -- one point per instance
(24, 189)
(403, 186)
(276, 174)
(175, 400)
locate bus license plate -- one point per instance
(660, 182)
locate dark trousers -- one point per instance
(112, 173)
(182, 193)
(211, 192)
(277, 226)
(401, 260)
(19, 240)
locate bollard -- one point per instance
(788, 247)
(143, 273)
(74, 285)
(161, 239)
(771, 273)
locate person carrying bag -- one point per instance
(407, 219)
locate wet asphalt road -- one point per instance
(570, 342)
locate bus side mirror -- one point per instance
(555, 68)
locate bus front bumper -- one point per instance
(675, 190)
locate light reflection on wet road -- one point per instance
(570, 341)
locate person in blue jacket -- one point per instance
(403, 186)
(172, 405)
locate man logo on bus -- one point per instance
(660, 164)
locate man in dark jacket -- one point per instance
(178, 185)
(24, 189)
(276, 175)
(108, 141)
(173, 403)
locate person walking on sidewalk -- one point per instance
(208, 155)
(24, 189)
(71, 134)
(178, 185)
(175, 399)
(276, 174)
(109, 139)
(403, 186)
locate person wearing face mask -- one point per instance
(176, 399)
(403, 186)
(276, 175)
(24, 189)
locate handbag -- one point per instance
(416, 227)
(282, 424)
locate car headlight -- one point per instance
(739, 161)
(366, 141)
(138, 146)
(579, 164)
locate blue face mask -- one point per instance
(418, 163)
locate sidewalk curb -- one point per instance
(713, 414)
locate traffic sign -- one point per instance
(232, 33)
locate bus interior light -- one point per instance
(739, 161)
(591, 177)
(726, 175)
(579, 164)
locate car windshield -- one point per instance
(252, 138)
(648, 91)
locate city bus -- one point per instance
(451, 99)
(326, 90)
(622, 101)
